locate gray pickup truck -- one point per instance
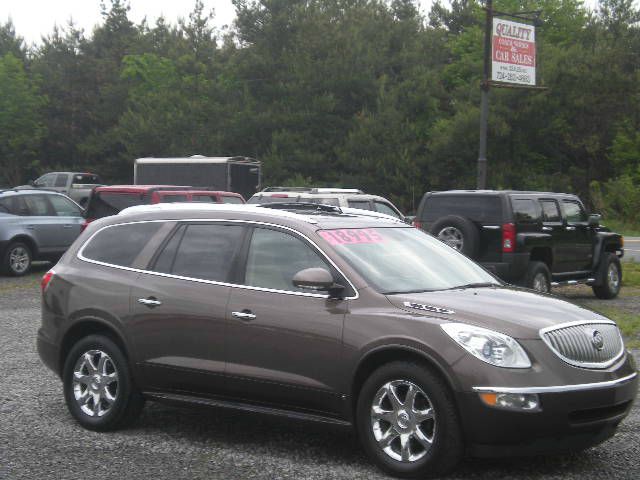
(75, 185)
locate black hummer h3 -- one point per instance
(536, 239)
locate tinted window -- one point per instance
(164, 262)
(37, 205)
(103, 204)
(550, 211)
(204, 198)
(573, 211)
(61, 180)
(64, 207)
(86, 178)
(525, 211)
(231, 199)
(207, 251)
(173, 198)
(275, 257)
(120, 244)
(14, 205)
(361, 204)
(478, 208)
(386, 209)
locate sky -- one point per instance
(35, 18)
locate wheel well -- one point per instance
(85, 328)
(26, 240)
(612, 247)
(375, 360)
(542, 254)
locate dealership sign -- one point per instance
(513, 55)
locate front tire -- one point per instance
(98, 387)
(609, 277)
(17, 259)
(407, 421)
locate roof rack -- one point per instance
(310, 207)
(336, 190)
(287, 189)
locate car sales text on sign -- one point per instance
(513, 53)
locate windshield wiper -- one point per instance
(402, 292)
(475, 285)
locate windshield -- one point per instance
(405, 260)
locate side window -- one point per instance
(573, 211)
(361, 204)
(61, 180)
(120, 244)
(164, 261)
(231, 199)
(324, 201)
(203, 198)
(37, 206)
(46, 180)
(9, 205)
(550, 211)
(63, 207)
(275, 257)
(173, 198)
(385, 208)
(205, 251)
(525, 211)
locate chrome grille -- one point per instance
(595, 344)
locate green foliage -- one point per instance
(353, 93)
(21, 126)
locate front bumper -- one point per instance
(572, 417)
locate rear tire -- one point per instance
(98, 387)
(538, 277)
(609, 277)
(17, 259)
(409, 434)
(459, 233)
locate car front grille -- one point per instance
(595, 344)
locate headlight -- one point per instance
(489, 346)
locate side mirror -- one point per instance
(318, 279)
(594, 220)
(409, 219)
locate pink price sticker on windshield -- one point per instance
(351, 236)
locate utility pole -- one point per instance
(484, 101)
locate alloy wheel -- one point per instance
(613, 277)
(19, 259)
(540, 283)
(403, 421)
(452, 237)
(95, 383)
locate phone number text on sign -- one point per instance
(351, 236)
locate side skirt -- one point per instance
(175, 398)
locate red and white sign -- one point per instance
(513, 55)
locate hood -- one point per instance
(515, 312)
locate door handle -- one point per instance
(30, 227)
(244, 315)
(67, 226)
(150, 302)
(547, 229)
(570, 228)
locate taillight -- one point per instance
(85, 224)
(417, 223)
(508, 237)
(46, 280)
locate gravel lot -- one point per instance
(39, 440)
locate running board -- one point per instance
(247, 407)
(582, 281)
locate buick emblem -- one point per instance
(597, 340)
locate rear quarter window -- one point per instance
(120, 244)
(478, 208)
(525, 210)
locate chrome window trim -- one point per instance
(589, 365)
(81, 256)
(557, 388)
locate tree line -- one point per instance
(354, 93)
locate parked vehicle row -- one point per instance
(355, 319)
(76, 185)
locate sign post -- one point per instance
(509, 61)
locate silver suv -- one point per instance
(339, 197)
(35, 225)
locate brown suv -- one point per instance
(327, 315)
